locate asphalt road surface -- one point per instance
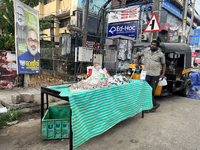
(174, 126)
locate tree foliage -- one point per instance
(7, 22)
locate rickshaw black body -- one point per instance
(178, 67)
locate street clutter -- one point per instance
(94, 81)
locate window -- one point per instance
(64, 22)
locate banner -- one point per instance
(129, 29)
(172, 35)
(92, 45)
(8, 71)
(27, 40)
(125, 14)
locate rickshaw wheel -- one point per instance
(185, 91)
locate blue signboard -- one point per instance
(197, 32)
(194, 40)
(198, 55)
(129, 29)
(173, 9)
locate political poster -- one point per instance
(27, 41)
(172, 35)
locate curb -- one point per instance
(38, 107)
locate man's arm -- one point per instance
(163, 66)
(163, 71)
(137, 61)
(139, 54)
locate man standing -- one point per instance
(153, 60)
(30, 60)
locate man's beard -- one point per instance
(33, 52)
(21, 22)
(153, 49)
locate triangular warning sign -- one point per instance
(153, 24)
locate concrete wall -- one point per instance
(65, 5)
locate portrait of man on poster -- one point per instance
(33, 46)
(21, 27)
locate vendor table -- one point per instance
(95, 111)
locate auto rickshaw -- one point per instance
(178, 67)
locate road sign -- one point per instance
(153, 24)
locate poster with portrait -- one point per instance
(27, 40)
(8, 71)
(172, 35)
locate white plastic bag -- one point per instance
(162, 82)
(3, 110)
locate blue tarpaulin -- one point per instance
(195, 85)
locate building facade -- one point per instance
(69, 12)
(170, 15)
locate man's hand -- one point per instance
(162, 76)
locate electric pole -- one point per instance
(85, 17)
(103, 29)
(52, 33)
(183, 37)
(155, 9)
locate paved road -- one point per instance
(174, 126)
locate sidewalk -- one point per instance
(27, 107)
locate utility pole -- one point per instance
(102, 29)
(183, 37)
(52, 41)
(52, 33)
(84, 32)
(83, 14)
(155, 9)
(139, 33)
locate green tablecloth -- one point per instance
(95, 111)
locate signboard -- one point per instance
(194, 54)
(8, 71)
(172, 35)
(27, 41)
(174, 21)
(197, 32)
(129, 29)
(92, 45)
(153, 24)
(197, 60)
(125, 14)
(167, 26)
(172, 9)
(194, 40)
(198, 55)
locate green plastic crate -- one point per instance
(56, 123)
